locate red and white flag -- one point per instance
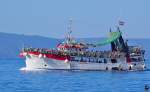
(121, 23)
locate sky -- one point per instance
(91, 18)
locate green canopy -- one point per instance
(112, 38)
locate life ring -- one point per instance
(40, 55)
(66, 61)
(44, 56)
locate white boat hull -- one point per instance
(36, 62)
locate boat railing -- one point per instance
(101, 54)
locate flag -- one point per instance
(121, 23)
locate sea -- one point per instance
(14, 79)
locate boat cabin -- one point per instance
(72, 47)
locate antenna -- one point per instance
(68, 37)
(70, 27)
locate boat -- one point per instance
(76, 55)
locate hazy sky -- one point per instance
(91, 18)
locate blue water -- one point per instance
(12, 79)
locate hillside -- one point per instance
(11, 44)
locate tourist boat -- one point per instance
(74, 55)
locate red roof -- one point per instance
(51, 56)
(70, 46)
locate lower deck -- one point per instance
(106, 64)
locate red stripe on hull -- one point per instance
(51, 56)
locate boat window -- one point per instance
(140, 59)
(113, 61)
(99, 61)
(134, 59)
(105, 61)
(137, 59)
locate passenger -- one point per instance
(89, 60)
(105, 61)
(97, 60)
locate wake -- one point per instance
(30, 69)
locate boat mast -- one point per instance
(69, 37)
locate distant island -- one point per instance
(11, 44)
